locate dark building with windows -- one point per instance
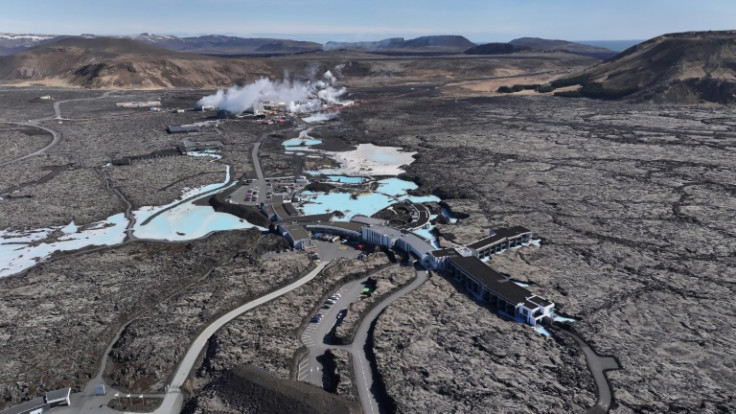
(500, 240)
(499, 292)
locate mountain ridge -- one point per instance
(688, 67)
(104, 62)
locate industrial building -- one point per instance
(189, 145)
(138, 104)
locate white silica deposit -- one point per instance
(369, 159)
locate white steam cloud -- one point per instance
(298, 96)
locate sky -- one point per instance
(351, 20)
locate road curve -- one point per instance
(57, 136)
(598, 366)
(174, 398)
(56, 140)
(361, 365)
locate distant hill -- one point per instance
(104, 62)
(496, 49)
(13, 43)
(441, 43)
(228, 45)
(563, 46)
(680, 68)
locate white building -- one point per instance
(390, 237)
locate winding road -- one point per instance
(56, 139)
(173, 400)
(369, 395)
(33, 123)
(364, 373)
(598, 366)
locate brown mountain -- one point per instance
(103, 62)
(687, 67)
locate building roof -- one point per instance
(278, 209)
(173, 129)
(499, 235)
(342, 227)
(58, 395)
(357, 227)
(492, 280)
(530, 305)
(314, 218)
(368, 220)
(296, 231)
(290, 209)
(421, 246)
(25, 406)
(447, 252)
(540, 301)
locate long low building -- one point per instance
(500, 292)
(500, 240)
(484, 283)
(340, 228)
(51, 399)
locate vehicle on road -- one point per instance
(316, 318)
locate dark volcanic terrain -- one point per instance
(634, 203)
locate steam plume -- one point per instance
(298, 96)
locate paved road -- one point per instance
(598, 365)
(361, 365)
(310, 369)
(86, 401)
(256, 161)
(56, 140)
(33, 123)
(173, 401)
